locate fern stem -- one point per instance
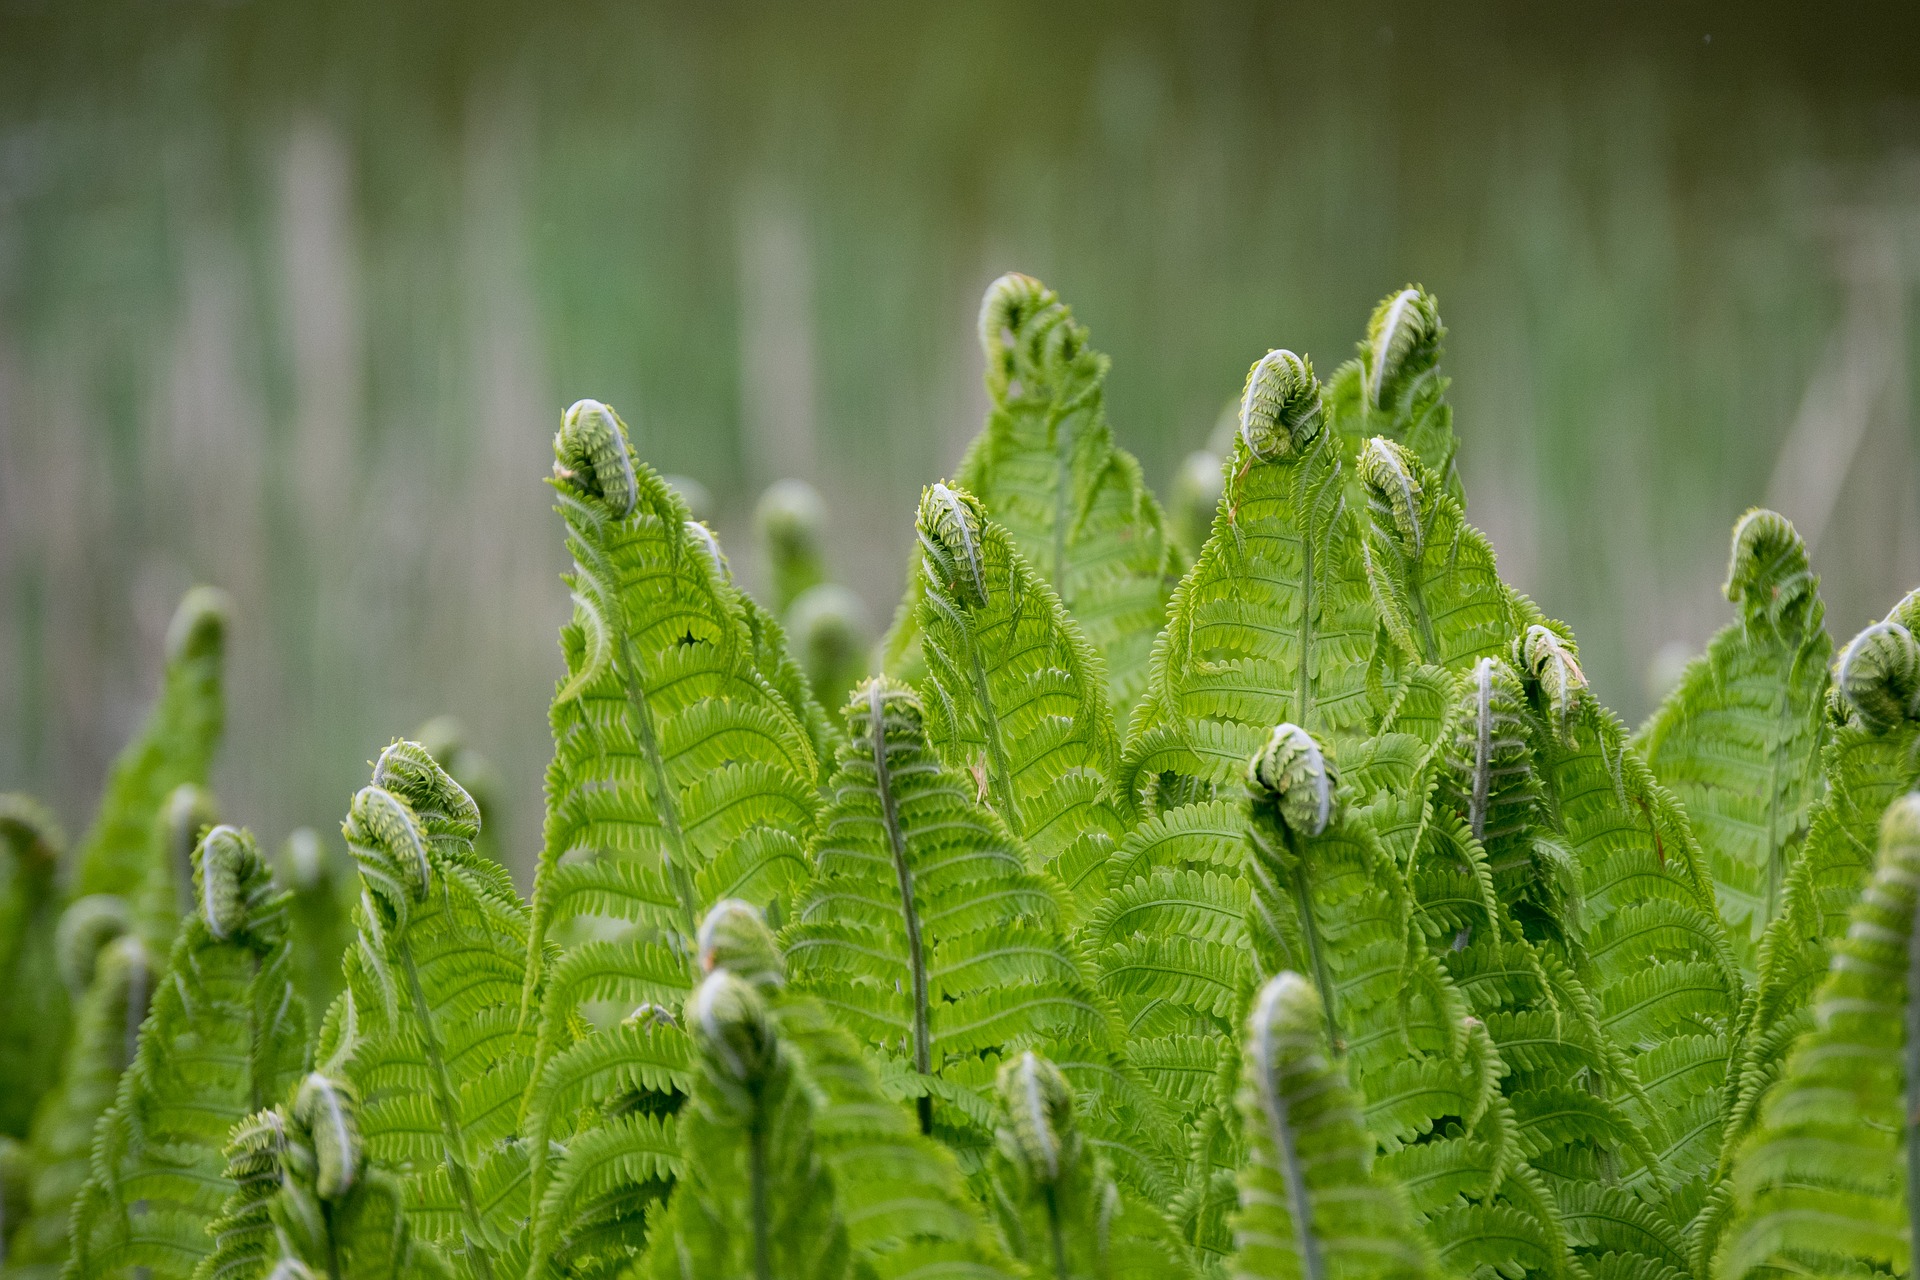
(1912, 1065)
(1482, 750)
(443, 1102)
(1057, 1233)
(757, 1189)
(909, 908)
(1310, 929)
(663, 795)
(1305, 709)
(1002, 769)
(1280, 1133)
(1062, 487)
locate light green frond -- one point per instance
(1013, 693)
(1435, 586)
(36, 1015)
(1825, 1184)
(1273, 621)
(224, 1034)
(307, 1200)
(112, 973)
(1047, 470)
(1311, 1204)
(166, 897)
(175, 745)
(1738, 740)
(924, 928)
(426, 1031)
(1394, 387)
(755, 1200)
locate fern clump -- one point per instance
(1297, 910)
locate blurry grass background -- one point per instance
(292, 294)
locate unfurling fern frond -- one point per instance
(1826, 1183)
(112, 973)
(1273, 621)
(175, 745)
(1061, 1211)
(1394, 388)
(321, 896)
(1871, 757)
(1311, 1205)
(1013, 693)
(34, 1017)
(907, 1212)
(755, 1201)
(924, 929)
(166, 896)
(675, 760)
(1047, 470)
(306, 1200)
(1738, 740)
(225, 1033)
(1433, 577)
(426, 1031)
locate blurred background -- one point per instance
(292, 295)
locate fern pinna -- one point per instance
(224, 1034)
(1308, 917)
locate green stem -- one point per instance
(1058, 1235)
(1310, 929)
(1305, 708)
(443, 1102)
(1912, 1065)
(909, 907)
(665, 801)
(1002, 768)
(757, 1180)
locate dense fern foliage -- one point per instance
(1257, 894)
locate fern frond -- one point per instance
(1047, 470)
(426, 1031)
(306, 1199)
(1273, 622)
(924, 929)
(175, 745)
(1311, 1204)
(755, 1201)
(1825, 1183)
(1394, 387)
(113, 973)
(224, 1034)
(166, 893)
(1013, 692)
(322, 893)
(1434, 582)
(35, 1016)
(1738, 740)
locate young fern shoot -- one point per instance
(1311, 1205)
(35, 1017)
(1013, 693)
(1738, 740)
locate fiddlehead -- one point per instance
(35, 1015)
(590, 454)
(790, 519)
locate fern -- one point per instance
(1827, 1183)
(1394, 387)
(34, 1019)
(307, 1201)
(1047, 470)
(1013, 693)
(174, 746)
(321, 896)
(1057, 1203)
(684, 773)
(224, 1034)
(1273, 621)
(166, 895)
(924, 929)
(1311, 1206)
(426, 1029)
(1738, 740)
(113, 966)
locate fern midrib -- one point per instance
(1280, 1133)
(1911, 1055)
(1483, 751)
(757, 1190)
(1306, 607)
(909, 907)
(1310, 930)
(443, 1102)
(665, 799)
(999, 763)
(1062, 491)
